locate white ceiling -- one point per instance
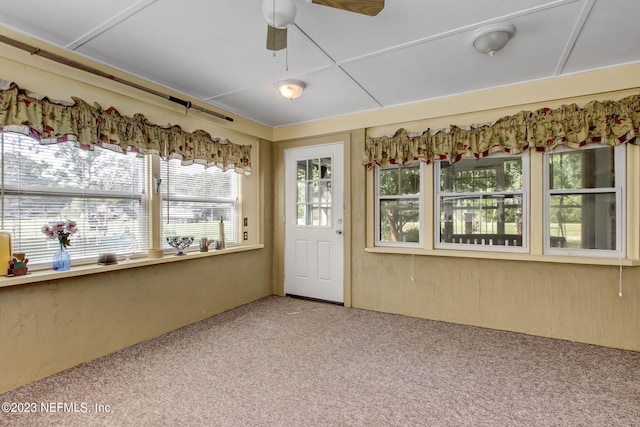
(214, 50)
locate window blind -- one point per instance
(195, 198)
(103, 191)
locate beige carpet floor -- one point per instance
(288, 362)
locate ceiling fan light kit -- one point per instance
(489, 40)
(291, 89)
(279, 13)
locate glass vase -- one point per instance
(62, 260)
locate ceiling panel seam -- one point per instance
(330, 58)
(458, 30)
(580, 23)
(110, 23)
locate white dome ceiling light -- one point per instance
(291, 89)
(489, 40)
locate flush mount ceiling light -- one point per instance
(291, 89)
(491, 39)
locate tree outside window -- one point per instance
(584, 199)
(399, 204)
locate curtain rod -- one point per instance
(78, 65)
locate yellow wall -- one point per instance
(51, 326)
(572, 302)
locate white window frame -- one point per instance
(619, 190)
(486, 247)
(419, 196)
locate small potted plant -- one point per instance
(18, 265)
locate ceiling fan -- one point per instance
(280, 14)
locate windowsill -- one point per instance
(87, 269)
(506, 256)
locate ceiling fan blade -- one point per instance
(276, 38)
(365, 7)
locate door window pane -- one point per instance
(314, 199)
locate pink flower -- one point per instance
(71, 226)
(61, 230)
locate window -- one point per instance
(101, 190)
(399, 205)
(584, 201)
(195, 198)
(104, 192)
(314, 202)
(481, 204)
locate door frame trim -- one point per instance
(337, 220)
(279, 208)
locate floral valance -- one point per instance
(90, 125)
(607, 122)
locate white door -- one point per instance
(314, 207)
